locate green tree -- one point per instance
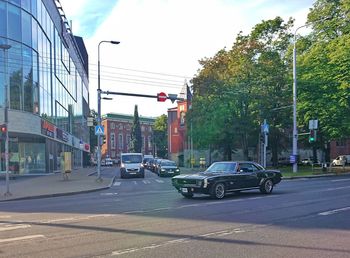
(136, 138)
(160, 133)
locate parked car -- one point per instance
(222, 178)
(168, 168)
(341, 160)
(146, 160)
(131, 165)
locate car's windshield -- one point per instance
(131, 158)
(168, 163)
(222, 167)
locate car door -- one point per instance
(249, 177)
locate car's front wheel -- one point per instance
(267, 186)
(218, 191)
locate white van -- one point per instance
(131, 165)
(341, 160)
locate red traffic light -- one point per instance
(161, 97)
(3, 128)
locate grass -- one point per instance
(287, 171)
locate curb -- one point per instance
(60, 194)
(317, 176)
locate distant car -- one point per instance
(341, 160)
(222, 178)
(131, 165)
(108, 162)
(168, 168)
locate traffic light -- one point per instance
(3, 130)
(103, 139)
(312, 136)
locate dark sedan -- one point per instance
(168, 168)
(227, 177)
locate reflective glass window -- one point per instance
(26, 28)
(17, 2)
(27, 79)
(3, 19)
(14, 22)
(35, 83)
(34, 34)
(34, 8)
(15, 73)
(26, 4)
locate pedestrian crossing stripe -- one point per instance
(118, 183)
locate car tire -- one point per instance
(187, 195)
(218, 191)
(266, 187)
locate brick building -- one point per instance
(118, 134)
(178, 139)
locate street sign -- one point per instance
(99, 130)
(313, 124)
(266, 128)
(161, 97)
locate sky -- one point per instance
(161, 42)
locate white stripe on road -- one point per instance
(117, 183)
(159, 181)
(109, 194)
(6, 240)
(337, 188)
(146, 182)
(135, 182)
(9, 227)
(325, 213)
(340, 180)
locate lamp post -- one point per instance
(99, 109)
(6, 47)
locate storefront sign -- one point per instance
(61, 135)
(87, 147)
(47, 129)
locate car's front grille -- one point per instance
(186, 181)
(132, 170)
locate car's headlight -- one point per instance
(177, 170)
(163, 170)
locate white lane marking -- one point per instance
(337, 188)
(5, 216)
(135, 183)
(146, 182)
(8, 227)
(108, 194)
(159, 181)
(255, 198)
(340, 180)
(79, 218)
(325, 213)
(6, 240)
(117, 183)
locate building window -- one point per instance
(149, 142)
(182, 118)
(120, 141)
(112, 141)
(175, 130)
(341, 143)
(128, 140)
(112, 154)
(112, 125)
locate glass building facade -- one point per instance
(46, 74)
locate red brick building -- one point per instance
(178, 139)
(117, 129)
(340, 147)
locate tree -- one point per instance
(136, 138)
(160, 132)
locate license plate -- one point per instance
(170, 172)
(184, 190)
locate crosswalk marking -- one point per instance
(21, 238)
(159, 181)
(7, 227)
(117, 183)
(145, 181)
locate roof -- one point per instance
(128, 118)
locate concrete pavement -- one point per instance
(80, 181)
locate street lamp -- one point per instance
(6, 47)
(295, 130)
(99, 109)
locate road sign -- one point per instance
(99, 130)
(266, 128)
(161, 97)
(313, 124)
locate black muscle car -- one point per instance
(227, 177)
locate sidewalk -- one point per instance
(80, 181)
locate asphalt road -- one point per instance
(148, 218)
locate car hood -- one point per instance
(200, 175)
